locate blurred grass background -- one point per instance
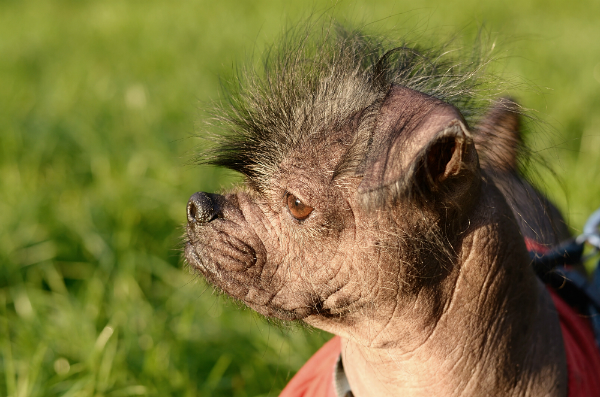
(99, 104)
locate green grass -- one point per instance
(99, 103)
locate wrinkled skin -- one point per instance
(429, 286)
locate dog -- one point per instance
(372, 210)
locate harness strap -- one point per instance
(579, 292)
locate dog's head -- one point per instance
(361, 179)
(354, 219)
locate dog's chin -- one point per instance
(216, 267)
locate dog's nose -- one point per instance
(201, 208)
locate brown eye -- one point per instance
(297, 208)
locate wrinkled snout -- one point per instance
(203, 208)
(225, 249)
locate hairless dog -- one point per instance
(372, 210)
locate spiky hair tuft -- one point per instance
(319, 77)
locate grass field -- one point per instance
(99, 105)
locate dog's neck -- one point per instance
(498, 332)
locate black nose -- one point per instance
(201, 208)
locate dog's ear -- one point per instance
(420, 144)
(498, 137)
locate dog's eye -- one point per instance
(297, 208)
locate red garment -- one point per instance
(583, 357)
(315, 378)
(534, 246)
